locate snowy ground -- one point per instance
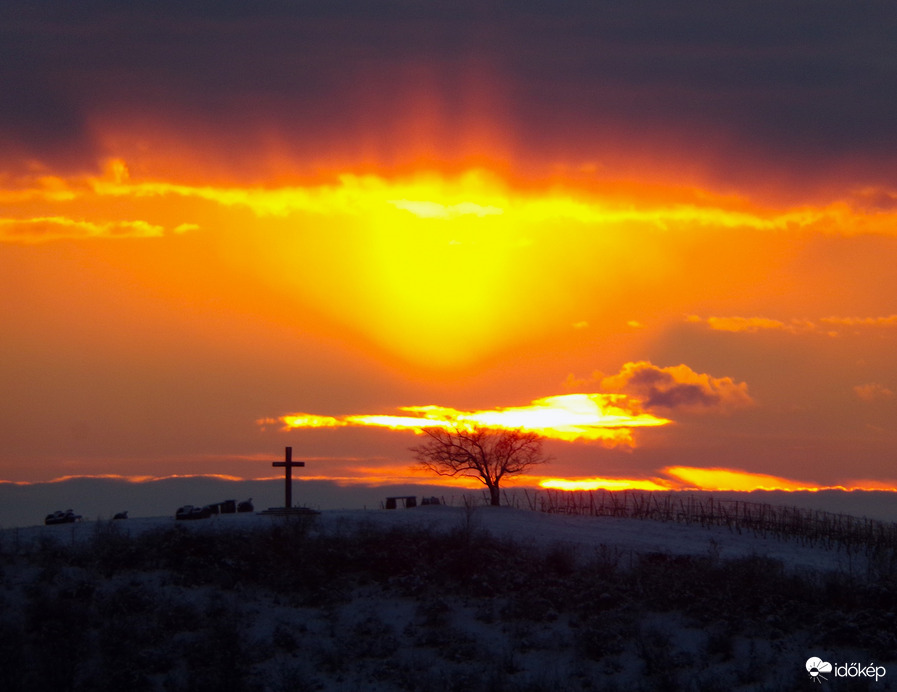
(637, 625)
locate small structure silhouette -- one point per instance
(191, 512)
(120, 515)
(223, 507)
(60, 517)
(408, 501)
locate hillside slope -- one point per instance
(435, 598)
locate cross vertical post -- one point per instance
(288, 464)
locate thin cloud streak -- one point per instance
(725, 479)
(828, 326)
(51, 228)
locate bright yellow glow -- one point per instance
(737, 480)
(733, 479)
(307, 420)
(398, 422)
(476, 193)
(603, 417)
(435, 210)
(710, 479)
(569, 416)
(441, 271)
(601, 484)
(441, 286)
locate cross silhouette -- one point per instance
(288, 465)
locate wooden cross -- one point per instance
(288, 464)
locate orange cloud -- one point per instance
(753, 324)
(678, 387)
(888, 321)
(825, 325)
(737, 480)
(607, 418)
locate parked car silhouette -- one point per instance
(60, 517)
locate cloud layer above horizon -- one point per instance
(629, 85)
(212, 215)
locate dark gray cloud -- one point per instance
(795, 81)
(677, 387)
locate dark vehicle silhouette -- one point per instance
(60, 517)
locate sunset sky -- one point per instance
(663, 235)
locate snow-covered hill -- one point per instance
(433, 598)
(583, 533)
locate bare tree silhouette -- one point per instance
(488, 454)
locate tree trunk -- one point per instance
(495, 495)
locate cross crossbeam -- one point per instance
(288, 465)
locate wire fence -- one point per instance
(808, 526)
